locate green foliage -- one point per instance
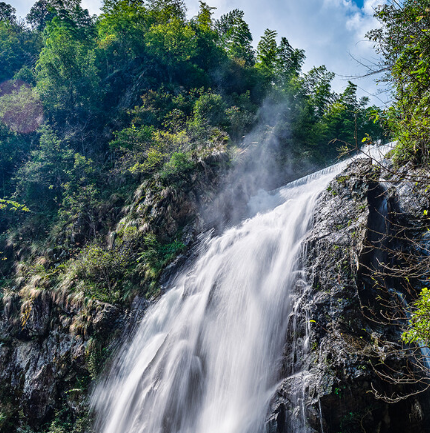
(41, 13)
(157, 255)
(40, 180)
(172, 43)
(267, 52)
(143, 92)
(348, 120)
(101, 272)
(96, 356)
(159, 108)
(404, 42)
(178, 164)
(58, 427)
(163, 11)
(7, 13)
(12, 205)
(17, 49)
(235, 37)
(14, 149)
(80, 205)
(64, 13)
(239, 121)
(133, 138)
(121, 32)
(210, 108)
(146, 150)
(20, 107)
(419, 323)
(290, 60)
(318, 86)
(67, 76)
(63, 423)
(204, 17)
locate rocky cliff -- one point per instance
(349, 372)
(343, 346)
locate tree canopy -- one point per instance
(403, 41)
(91, 107)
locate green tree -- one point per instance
(209, 56)
(14, 149)
(18, 48)
(210, 109)
(267, 52)
(69, 12)
(404, 42)
(40, 14)
(20, 107)
(317, 83)
(204, 17)
(7, 13)
(173, 43)
(289, 61)
(40, 180)
(164, 11)
(121, 33)
(235, 37)
(67, 76)
(80, 197)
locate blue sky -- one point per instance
(330, 31)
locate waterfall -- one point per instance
(206, 356)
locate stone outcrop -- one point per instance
(346, 350)
(45, 357)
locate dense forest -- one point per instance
(97, 112)
(91, 107)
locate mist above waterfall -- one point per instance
(262, 162)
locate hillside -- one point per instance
(127, 138)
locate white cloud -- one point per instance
(93, 6)
(22, 6)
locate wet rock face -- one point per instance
(339, 337)
(44, 362)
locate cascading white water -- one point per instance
(205, 357)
